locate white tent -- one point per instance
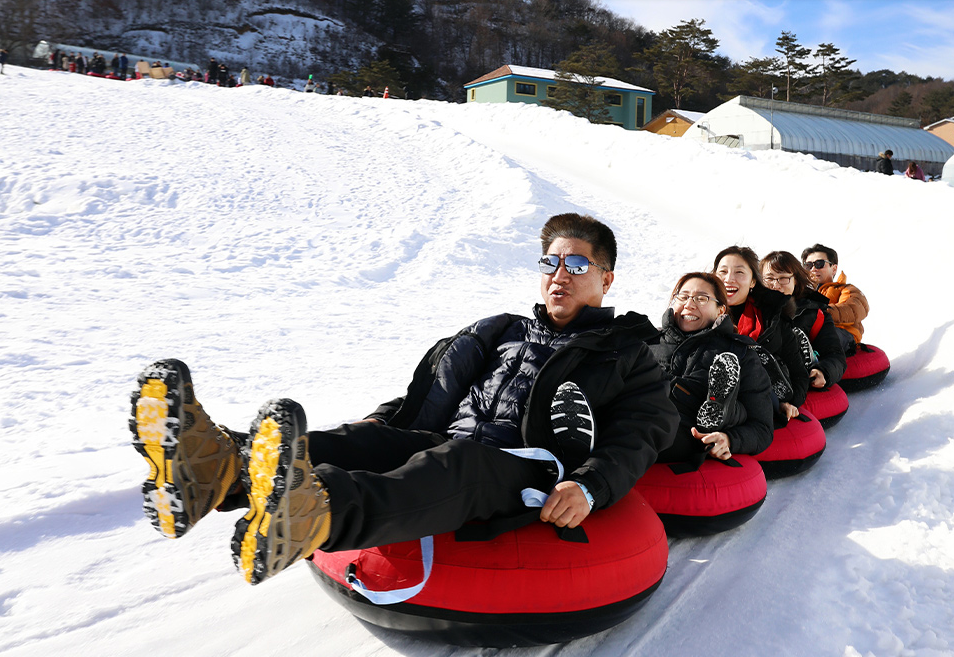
(849, 138)
(948, 174)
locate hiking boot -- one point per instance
(723, 391)
(573, 425)
(290, 514)
(780, 385)
(804, 347)
(192, 462)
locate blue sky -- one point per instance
(901, 36)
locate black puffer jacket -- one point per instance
(884, 165)
(686, 359)
(831, 355)
(612, 365)
(777, 338)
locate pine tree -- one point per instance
(682, 59)
(376, 75)
(577, 83)
(835, 77)
(755, 77)
(901, 106)
(937, 104)
(793, 62)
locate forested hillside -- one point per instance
(434, 47)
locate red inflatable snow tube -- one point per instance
(795, 447)
(720, 495)
(828, 406)
(525, 587)
(867, 367)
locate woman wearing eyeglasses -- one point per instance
(717, 382)
(783, 272)
(765, 316)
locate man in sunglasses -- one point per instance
(848, 306)
(486, 412)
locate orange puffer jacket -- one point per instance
(848, 306)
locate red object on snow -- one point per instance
(828, 406)
(525, 587)
(720, 495)
(387, 94)
(795, 447)
(867, 367)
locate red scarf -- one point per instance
(750, 323)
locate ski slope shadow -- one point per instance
(96, 513)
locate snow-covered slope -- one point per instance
(308, 246)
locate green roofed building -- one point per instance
(629, 106)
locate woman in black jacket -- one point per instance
(765, 316)
(782, 271)
(718, 385)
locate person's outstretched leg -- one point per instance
(719, 410)
(436, 491)
(192, 462)
(289, 515)
(573, 425)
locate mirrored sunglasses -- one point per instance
(815, 264)
(574, 264)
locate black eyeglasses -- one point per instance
(575, 264)
(701, 300)
(781, 280)
(816, 264)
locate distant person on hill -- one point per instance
(114, 64)
(368, 91)
(245, 77)
(914, 171)
(490, 411)
(123, 65)
(884, 164)
(3, 59)
(223, 79)
(310, 86)
(212, 74)
(847, 305)
(268, 80)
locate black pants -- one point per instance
(388, 485)
(847, 341)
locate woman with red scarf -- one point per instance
(765, 316)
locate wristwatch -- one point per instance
(586, 491)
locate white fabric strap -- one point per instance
(531, 496)
(400, 595)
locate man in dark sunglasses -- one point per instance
(846, 303)
(568, 404)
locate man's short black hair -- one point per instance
(582, 227)
(830, 254)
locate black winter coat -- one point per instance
(885, 166)
(777, 338)
(826, 344)
(612, 365)
(686, 359)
